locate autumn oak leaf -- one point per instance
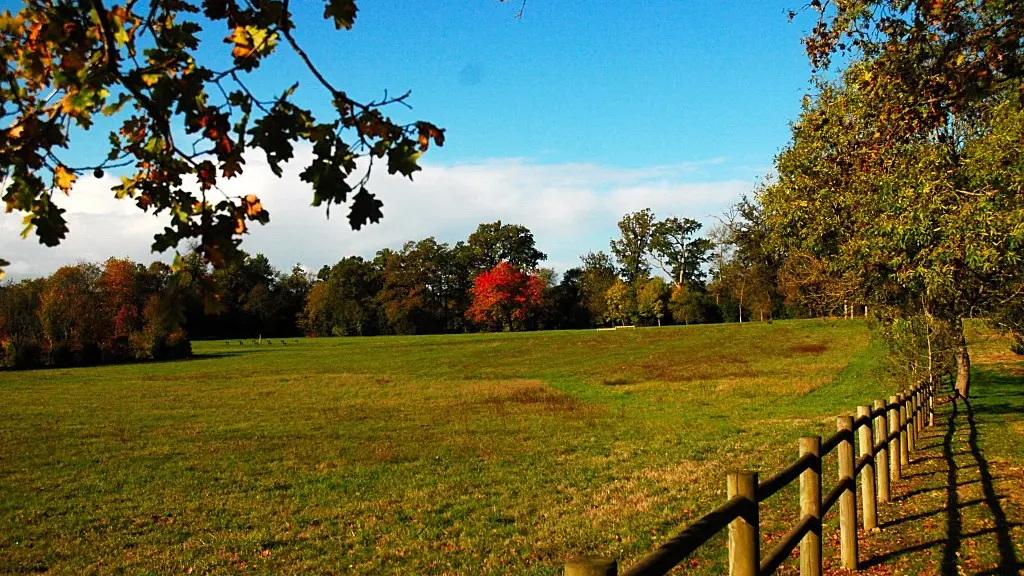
(64, 179)
(365, 208)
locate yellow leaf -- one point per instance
(253, 206)
(251, 41)
(63, 179)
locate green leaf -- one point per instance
(402, 159)
(343, 12)
(115, 107)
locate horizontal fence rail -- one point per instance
(883, 434)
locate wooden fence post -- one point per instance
(810, 505)
(882, 458)
(591, 566)
(895, 469)
(848, 498)
(917, 419)
(911, 442)
(905, 443)
(744, 537)
(931, 404)
(915, 427)
(867, 474)
(919, 412)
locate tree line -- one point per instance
(494, 280)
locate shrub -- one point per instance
(1017, 346)
(23, 355)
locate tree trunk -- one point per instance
(963, 368)
(742, 287)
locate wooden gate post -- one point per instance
(848, 498)
(810, 505)
(744, 532)
(867, 474)
(882, 458)
(895, 470)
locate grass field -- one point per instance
(490, 453)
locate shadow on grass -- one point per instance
(997, 394)
(954, 522)
(215, 356)
(1007, 556)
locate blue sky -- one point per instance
(658, 82)
(562, 120)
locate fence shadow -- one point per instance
(999, 394)
(1007, 555)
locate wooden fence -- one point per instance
(895, 424)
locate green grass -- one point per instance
(490, 453)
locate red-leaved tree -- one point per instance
(504, 297)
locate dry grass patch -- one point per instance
(808, 348)
(646, 488)
(526, 393)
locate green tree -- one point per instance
(929, 224)
(596, 277)
(651, 300)
(494, 242)
(679, 254)
(21, 333)
(620, 303)
(72, 323)
(636, 230)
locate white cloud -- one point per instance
(571, 209)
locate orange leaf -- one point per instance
(253, 207)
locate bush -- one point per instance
(179, 345)
(156, 345)
(23, 355)
(61, 355)
(1017, 346)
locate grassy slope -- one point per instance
(448, 454)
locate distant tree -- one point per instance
(596, 277)
(679, 254)
(620, 303)
(746, 264)
(631, 248)
(566, 303)
(689, 305)
(415, 292)
(495, 242)
(21, 333)
(316, 318)
(120, 287)
(290, 297)
(346, 302)
(73, 324)
(651, 300)
(504, 297)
